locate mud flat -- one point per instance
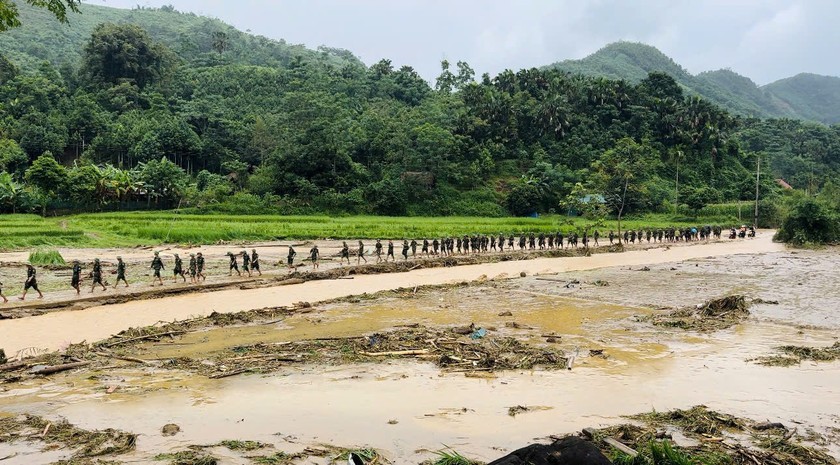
(411, 366)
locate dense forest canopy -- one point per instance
(190, 111)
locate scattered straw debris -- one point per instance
(714, 315)
(443, 346)
(61, 434)
(794, 355)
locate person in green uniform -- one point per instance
(76, 279)
(96, 274)
(120, 272)
(345, 253)
(157, 265)
(360, 254)
(314, 255)
(405, 250)
(31, 283)
(199, 264)
(5, 300)
(290, 259)
(246, 262)
(413, 248)
(178, 269)
(233, 265)
(390, 251)
(192, 267)
(377, 249)
(255, 261)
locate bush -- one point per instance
(809, 221)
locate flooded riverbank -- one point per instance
(408, 408)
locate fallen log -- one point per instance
(143, 338)
(48, 370)
(396, 352)
(620, 446)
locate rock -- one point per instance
(522, 274)
(170, 429)
(3, 357)
(508, 313)
(567, 451)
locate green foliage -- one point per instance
(46, 257)
(13, 159)
(154, 108)
(810, 221)
(46, 174)
(663, 453)
(124, 53)
(452, 457)
(9, 15)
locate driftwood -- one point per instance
(123, 358)
(141, 338)
(48, 370)
(230, 373)
(590, 433)
(13, 366)
(396, 352)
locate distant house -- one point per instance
(784, 184)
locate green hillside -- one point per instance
(811, 96)
(43, 38)
(805, 96)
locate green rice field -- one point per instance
(151, 228)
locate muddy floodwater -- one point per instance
(407, 408)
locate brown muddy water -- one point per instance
(55, 330)
(408, 409)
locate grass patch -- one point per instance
(46, 257)
(130, 229)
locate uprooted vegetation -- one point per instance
(200, 455)
(714, 315)
(719, 439)
(81, 445)
(794, 355)
(448, 348)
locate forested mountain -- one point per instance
(804, 96)
(195, 39)
(159, 108)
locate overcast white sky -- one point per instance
(761, 39)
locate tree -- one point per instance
(13, 159)
(220, 42)
(621, 173)
(9, 15)
(46, 174)
(163, 179)
(120, 52)
(810, 221)
(446, 80)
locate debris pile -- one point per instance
(719, 438)
(714, 315)
(794, 355)
(443, 346)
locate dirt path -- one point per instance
(54, 330)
